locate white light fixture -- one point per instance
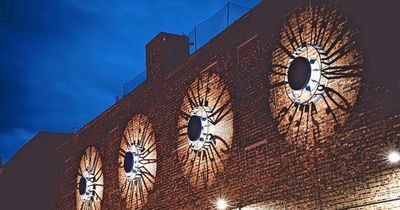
(393, 157)
(221, 204)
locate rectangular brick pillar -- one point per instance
(164, 53)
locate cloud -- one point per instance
(63, 62)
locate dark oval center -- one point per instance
(299, 73)
(128, 162)
(82, 186)
(194, 128)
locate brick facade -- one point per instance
(262, 169)
(346, 169)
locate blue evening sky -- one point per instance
(63, 62)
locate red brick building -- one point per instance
(294, 106)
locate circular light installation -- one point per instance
(195, 128)
(198, 128)
(128, 162)
(87, 186)
(89, 182)
(83, 186)
(299, 72)
(315, 75)
(133, 162)
(205, 128)
(304, 75)
(138, 162)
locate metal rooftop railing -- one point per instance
(205, 31)
(200, 35)
(134, 83)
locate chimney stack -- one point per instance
(164, 53)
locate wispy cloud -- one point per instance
(63, 62)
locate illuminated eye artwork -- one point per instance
(316, 73)
(137, 162)
(89, 191)
(304, 76)
(205, 129)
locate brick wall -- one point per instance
(263, 169)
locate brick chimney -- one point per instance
(164, 53)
